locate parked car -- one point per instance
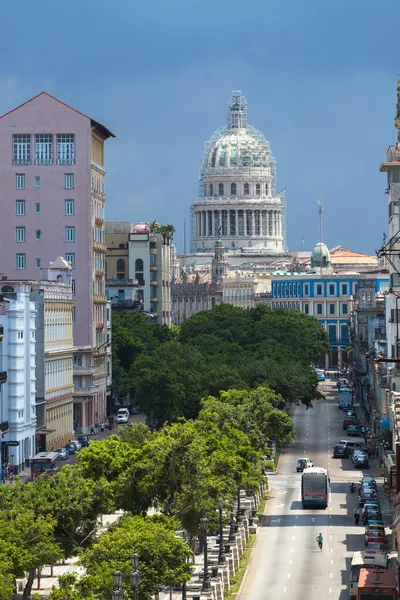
(321, 376)
(133, 410)
(303, 463)
(372, 505)
(77, 444)
(375, 547)
(63, 452)
(365, 497)
(83, 440)
(369, 479)
(353, 430)
(376, 538)
(340, 451)
(360, 461)
(348, 421)
(71, 448)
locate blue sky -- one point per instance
(320, 79)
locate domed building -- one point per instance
(320, 257)
(238, 201)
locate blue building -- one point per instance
(325, 295)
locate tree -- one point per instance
(163, 556)
(70, 588)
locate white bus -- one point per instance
(315, 487)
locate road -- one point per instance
(286, 562)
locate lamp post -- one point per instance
(238, 513)
(134, 575)
(221, 553)
(206, 587)
(232, 528)
(118, 593)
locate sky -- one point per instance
(320, 80)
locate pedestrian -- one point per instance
(92, 431)
(102, 428)
(356, 513)
(365, 517)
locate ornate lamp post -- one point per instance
(238, 513)
(232, 528)
(206, 579)
(134, 575)
(221, 553)
(117, 593)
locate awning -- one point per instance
(45, 431)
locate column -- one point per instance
(279, 224)
(253, 222)
(275, 224)
(220, 220)
(204, 223)
(340, 359)
(267, 232)
(236, 223)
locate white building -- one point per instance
(150, 266)
(238, 198)
(17, 357)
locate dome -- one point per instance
(238, 148)
(320, 257)
(141, 228)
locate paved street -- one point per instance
(286, 562)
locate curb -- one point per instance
(277, 466)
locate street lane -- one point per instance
(286, 562)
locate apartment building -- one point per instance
(52, 196)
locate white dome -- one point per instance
(238, 148)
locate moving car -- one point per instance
(303, 463)
(63, 452)
(360, 461)
(353, 430)
(321, 376)
(78, 445)
(353, 444)
(340, 451)
(122, 419)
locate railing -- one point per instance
(4, 308)
(65, 161)
(99, 325)
(121, 282)
(125, 303)
(3, 377)
(44, 161)
(21, 161)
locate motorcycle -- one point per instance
(353, 488)
(109, 426)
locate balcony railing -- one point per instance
(66, 161)
(121, 283)
(22, 162)
(99, 325)
(3, 377)
(44, 161)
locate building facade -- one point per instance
(238, 199)
(18, 393)
(53, 200)
(121, 291)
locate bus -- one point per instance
(46, 463)
(315, 487)
(377, 584)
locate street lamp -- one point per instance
(232, 528)
(117, 593)
(206, 587)
(238, 513)
(134, 576)
(221, 553)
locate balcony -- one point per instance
(1, 332)
(44, 161)
(153, 299)
(21, 162)
(100, 247)
(153, 282)
(122, 304)
(121, 283)
(99, 273)
(99, 325)
(99, 221)
(85, 391)
(84, 369)
(66, 161)
(99, 299)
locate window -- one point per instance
(37, 181)
(344, 289)
(69, 207)
(21, 149)
(153, 275)
(306, 308)
(266, 189)
(21, 261)
(319, 309)
(20, 207)
(71, 259)
(221, 189)
(138, 264)
(345, 333)
(331, 309)
(233, 189)
(306, 289)
(139, 271)
(38, 234)
(222, 156)
(20, 234)
(211, 189)
(332, 333)
(153, 260)
(20, 337)
(246, 189)
(319, 289)
(258, 189)
(73, 286)
(20, 181)
(44, 149)
(70, 234)
(37, 263)
(120, 268)
(344, 309)
(65, 149)
(331, 289)
(69, 181)
(73, 314)
(37, 207)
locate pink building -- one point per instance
(52, 204)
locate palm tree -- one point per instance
(167, 231)
(154, 226)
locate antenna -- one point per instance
(302, 243)
(184, 235)
(320, 211)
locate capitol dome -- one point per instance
(238, 200)
(320, 257)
